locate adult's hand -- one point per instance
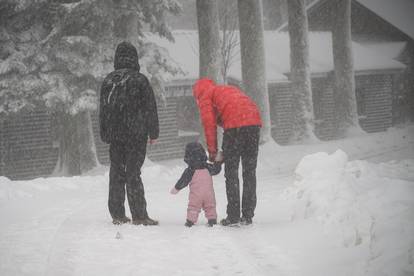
(219, 157)
(212, 156)
(152, 141)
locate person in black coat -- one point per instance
(128, 119)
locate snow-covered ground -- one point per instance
(335, 208)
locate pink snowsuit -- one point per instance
(201, 196)
(198, 176)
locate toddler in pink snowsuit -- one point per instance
(198, 176)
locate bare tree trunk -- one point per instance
(345, 98)
(302, 105)
(253, 59)
(209, 39)
(3, 146)
(209, 47)
(77, 150)
(87, 148)
(68, 156)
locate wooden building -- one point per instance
(27, 148)
(376, 24)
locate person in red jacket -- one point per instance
(228, 107)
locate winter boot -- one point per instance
(230, 222)
(145, 221)
(246, 221)
(189, 223)
(211, 222)
(118, 221)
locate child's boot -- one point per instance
(189, 223)
(212, 222)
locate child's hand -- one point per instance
(173, 191)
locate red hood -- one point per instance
(202, 86)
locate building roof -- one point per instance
(399, 13)
(375, 56)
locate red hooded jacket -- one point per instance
(223, 105)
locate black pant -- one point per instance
(241, 143)
(127, 159)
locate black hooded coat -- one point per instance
(127, 116)
(139, 119)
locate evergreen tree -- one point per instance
(56, 53)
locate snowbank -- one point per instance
(43, 187)
(361, 204)
(8, 190)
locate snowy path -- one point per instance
(39, 212)
(69, 233)
(85, 243)
(61, 226)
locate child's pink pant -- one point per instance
(201, 196)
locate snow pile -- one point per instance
(362, 204)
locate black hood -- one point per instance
(195, 155)
(126, 56)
